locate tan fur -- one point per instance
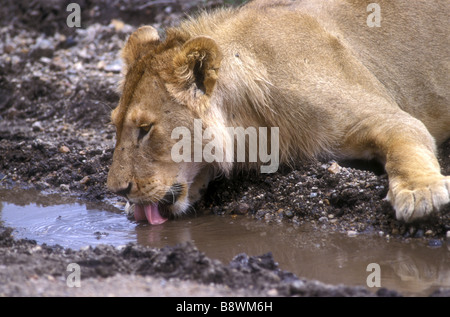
(333, 86)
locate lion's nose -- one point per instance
(124, 191)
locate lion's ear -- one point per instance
(197, 64)
(136, 43)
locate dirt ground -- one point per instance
(57, 88)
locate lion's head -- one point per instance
(166, 85)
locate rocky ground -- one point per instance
(57, 88)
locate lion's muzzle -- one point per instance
(153, 211)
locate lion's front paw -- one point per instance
(414, 202)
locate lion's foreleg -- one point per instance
(416, 185)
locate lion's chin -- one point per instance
(150, 212)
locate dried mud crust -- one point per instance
(57, 87)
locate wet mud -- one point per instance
(57, 88)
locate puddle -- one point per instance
(410, 268)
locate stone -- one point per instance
(334, 168)
(64, 149)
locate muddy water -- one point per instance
(411, 268)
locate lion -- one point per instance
(334, 85)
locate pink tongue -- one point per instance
(150, 213)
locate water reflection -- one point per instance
(411, 268)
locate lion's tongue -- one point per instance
(149, 212)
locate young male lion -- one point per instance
(331, 81)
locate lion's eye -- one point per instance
(144, 129)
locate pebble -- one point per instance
(115, 66)
(334, 168)
(67, 42)
(242, 208)
(268, 217)
(352, 233)
(101, 65)
(45, 60)
(117, 24)
(272, 292)
(41, 185)
(8, 49)
(434, 243)
(121, 247)
(419, 233)
(43, 43)
(15, 60)
(59, 63)
(85, 180)
(36, 249)
(37, 126)
(448, 234)
(64, 187)
(64, 149)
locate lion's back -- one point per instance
(294, 45)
